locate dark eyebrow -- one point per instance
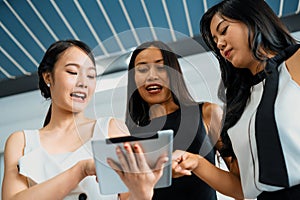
(78, 66)
(72, 64)
(140, 63)
(157, 61)
(218, 26)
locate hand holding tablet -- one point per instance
(135, 172)
(134, 163)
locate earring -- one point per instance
(48, 84)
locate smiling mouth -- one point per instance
(153, 88)
(78, 95)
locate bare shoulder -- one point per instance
(14, 145)
(117, 128)
(211, 110)
(292, 65)
(16, 138)
(212, 119)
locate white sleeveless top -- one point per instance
(287, 116)
(38, 165)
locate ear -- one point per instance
(47, 77)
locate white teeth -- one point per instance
(79, 95)
(154, 87)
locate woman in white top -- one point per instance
(260, 68)
(55, 162)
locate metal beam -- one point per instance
(183, 48)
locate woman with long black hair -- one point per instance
(260, 70)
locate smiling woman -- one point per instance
(158, 99)
(55, 161)
(67, 68)
(149, 64)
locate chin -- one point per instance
(78, 109)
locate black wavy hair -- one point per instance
(266, 33)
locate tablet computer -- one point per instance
(154, 144)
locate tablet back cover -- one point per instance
(110, 182)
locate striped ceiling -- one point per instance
(110, 27)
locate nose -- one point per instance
(153, 73)
(81, 81)
(221, 44)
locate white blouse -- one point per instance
(38, 165)
(287, 115)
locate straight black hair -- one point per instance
(137, 111)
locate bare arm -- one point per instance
(15, 185)
(212, 117)
(227, 183)
(293, 66)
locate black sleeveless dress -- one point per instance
(189, 135)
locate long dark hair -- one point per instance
(268, 35)
(137, 111)
(51, 56)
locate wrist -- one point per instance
(80, 169)
(141, 196)
(198, 163)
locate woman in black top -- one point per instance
(158, 99)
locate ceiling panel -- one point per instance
(109, 27)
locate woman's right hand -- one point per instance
(183, 163)
(135, 171)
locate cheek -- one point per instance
(139, 80)
(93, 83)
(66, 81)
(243, 38)
(143, 94)
(92, 88)
(165, 79)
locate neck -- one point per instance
(257, 67)
(62, 119)
(159, 110)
